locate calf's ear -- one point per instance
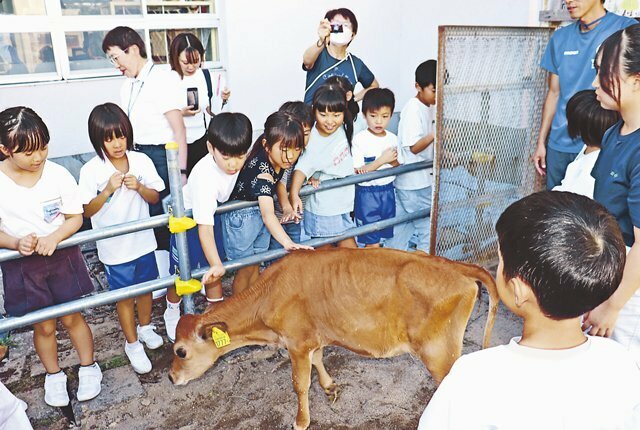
(204, 332)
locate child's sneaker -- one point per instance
(171, 318)
(149, 337)
(89, 382)
(55, 389)
(138, 358)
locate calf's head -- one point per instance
(194, 351)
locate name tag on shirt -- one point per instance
(51, 210)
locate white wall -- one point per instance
(263, 55)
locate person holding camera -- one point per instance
(328, 56)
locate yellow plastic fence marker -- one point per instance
(180, 225)
(220, 338)
(187, 287)
(171, 145)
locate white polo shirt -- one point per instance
(207, 186)
(123, 206)
(367, 147)
(416, 121)
(41, 208)
(147, 98)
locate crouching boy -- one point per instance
(561, 255)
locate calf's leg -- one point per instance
(325, 380)
(301, 377)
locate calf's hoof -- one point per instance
(300, 427)
(333, 392)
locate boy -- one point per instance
(569, 61)
(373, 149)
(588, 120)
(211, 181)
(553, 376)
(416, 135)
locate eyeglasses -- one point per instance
(113, 59)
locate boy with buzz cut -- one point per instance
(561, 255)
(374, 149)
(211, 182)
(416, 135)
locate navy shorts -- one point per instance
(35, 282)
(375, 203)
(142, 269)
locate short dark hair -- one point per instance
(619, 52)
(22, 130)
(587, 119)
(281, 128)
(566, 247)
(192, 47)
(300, 110)
(331, 98)
(345, 13)
(106, 121)
(377, 98)
(346, 86)
(230, 133)
(123, 38)
(426, 73)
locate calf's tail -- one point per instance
(481, 275)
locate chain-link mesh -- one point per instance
(490, 95)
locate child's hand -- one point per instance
(46, 245)
(213, 274)
(131, 182)
(288, 214)
(115, 182)
(360, 170)
(226, 94)
(314, 182)
(601, 320)
(324, 29)
(292, 246)
(27, 245)
(298, 208)
(389, 155)
(189, 111)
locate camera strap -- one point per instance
(347, 57)
(207, 78)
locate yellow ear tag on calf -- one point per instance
(220, 338)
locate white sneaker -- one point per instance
(149, 337)
(89, 382)
(138, 358)
(55, 389)
(171, 317)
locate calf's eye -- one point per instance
(180, 352)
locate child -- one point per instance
(587, 120)
(290, 221)
(415, 143)
(345, 85)
(210, 183)
(328, 156)
(186, 55)
(545, 378)
(373, 149)
(247, 231)
(40, 207)
(117, 186)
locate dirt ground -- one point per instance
(249, 388)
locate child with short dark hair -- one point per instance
(416, 135)
(211, 182)
(345, 85)
(561, 255)
(39, 208)
(587, 120)
(373, 149)
(117, 186)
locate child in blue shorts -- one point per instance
(39, 208)
(117, 186)
(248, 231)
(374, 149)
(211, 182)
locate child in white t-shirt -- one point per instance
(588, 120)
(211, 182)
(373, 149)
(416, 135)
(39, 208)
(117, 186)
(561, 255)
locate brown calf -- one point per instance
(376, 302)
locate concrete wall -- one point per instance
(261, 47)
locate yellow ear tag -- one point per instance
(220, 338)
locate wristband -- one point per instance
(320, 42)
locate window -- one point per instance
(43, 40)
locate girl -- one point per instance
(328, 156)
(39, 207)
(617, 181)
(345, 85)
(186, 55)
(117, 186)
(248, 230)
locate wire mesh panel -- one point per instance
(490, 95)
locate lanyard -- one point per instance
(133, 100)
(587, 27)
(353, 67)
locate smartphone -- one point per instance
(192, 98)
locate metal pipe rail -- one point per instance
(109, 297)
